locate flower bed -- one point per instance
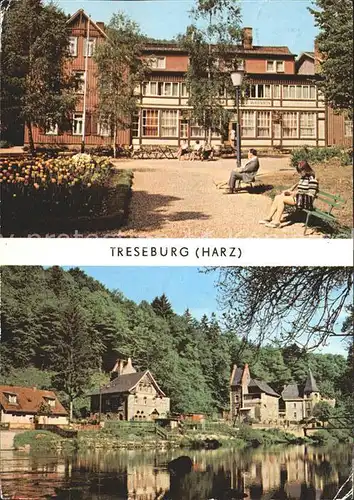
(40, 190)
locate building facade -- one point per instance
(298, 401)
(130, 395)
(281, 108)
(250, 398)
(23, 406)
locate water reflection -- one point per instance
(296, 473)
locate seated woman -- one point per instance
(301, 195)
(208, 152)
(183, 150)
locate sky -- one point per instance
(185, 287)
(274, 22)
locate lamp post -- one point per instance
(236, 77)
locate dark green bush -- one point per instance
(321, 154)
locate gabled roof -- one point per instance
(29, 400)
(310, 385)
(127, 383)
(263, 386)
(239, 49)
(83, 13)
(292, 391)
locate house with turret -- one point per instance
(130, 395)
(251, 398)
(298, 400)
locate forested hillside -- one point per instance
(64, 330)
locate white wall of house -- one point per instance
(29, 419)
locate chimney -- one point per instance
(318, 58)
(234, 368)
(118, 367)
(247, 38)
(128, 368)
(245, 375)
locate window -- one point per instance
(50, 402)
(52, 129)
(73, 46)
(289, 124)
(184, 90)
(307, 125)
(299, 92)
(161, 88)
(275, 66)
(294, 405)
(80, 81)
(135, 125)
(184, 129)
(169, 123)
(348, 128)
(276, 91)
(259, 91)
(103, 129)
(157, 62)
(150, 122)
(295, 414)
(279, 66)
(248, 124)
(197, 130)
(78, 124)
(89, 46)
(271, 66)
(12, 398)
(263, 124)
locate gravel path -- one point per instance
(175, 199)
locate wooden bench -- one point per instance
(331, 200)
(239, 182)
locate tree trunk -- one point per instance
(115, 141)
(71, 410)
(30, 137)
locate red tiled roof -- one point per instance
(29, 400)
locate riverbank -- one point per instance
(130, 438)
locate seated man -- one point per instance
(197, 150)
(245, 173)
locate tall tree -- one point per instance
(75, 353)
(37, 85)
(162, 306)
(334, 19)
(299, 305)
(120, 69)
(211, 58)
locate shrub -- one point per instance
(37, 440)
(321, 154)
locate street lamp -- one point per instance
(236, 77)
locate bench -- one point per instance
(331, 200)
(239, 182)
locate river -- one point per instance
(293, 473)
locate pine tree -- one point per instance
(162, 306)
(334, 19)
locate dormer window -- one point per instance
(11, 397)
(50, 402)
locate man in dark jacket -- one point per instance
(247, 172)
